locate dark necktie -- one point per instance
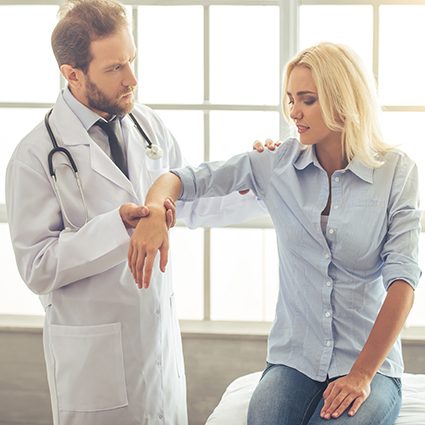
(117, 153)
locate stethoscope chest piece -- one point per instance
(153, 152)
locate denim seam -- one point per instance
(308, 406)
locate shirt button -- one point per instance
(327, 314)
(328, 283)
(336, 207)
(328, 343)
(160, 417)
(327, 256)
(331, 231)
(337, 179)
(157, 311)
(158, 362)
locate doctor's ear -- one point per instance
(72, 75)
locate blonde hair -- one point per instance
(347, 97)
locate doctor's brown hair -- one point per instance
(81, 22)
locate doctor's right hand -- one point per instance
(149, 237)
(131, 214)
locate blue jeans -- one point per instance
(285, 396)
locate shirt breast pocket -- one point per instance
(364, 232)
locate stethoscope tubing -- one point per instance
(150, 151)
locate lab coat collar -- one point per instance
(71, 132)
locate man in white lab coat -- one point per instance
(113, 352)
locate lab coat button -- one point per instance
(328, 283)
(160, 416)
(328, 343)
(327, 314)
(331, 231)
(337, 179)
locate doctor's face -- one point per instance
(110, 81)
(305, 109)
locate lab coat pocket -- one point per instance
(89, 367)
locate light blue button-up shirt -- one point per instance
(332, 284)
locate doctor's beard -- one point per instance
(100, 101)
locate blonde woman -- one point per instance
(345, 208)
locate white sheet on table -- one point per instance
(234, 404)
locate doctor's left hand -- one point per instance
(149, 237)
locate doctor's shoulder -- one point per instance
(33, 148)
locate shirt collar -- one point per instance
(361, 170)
(84, 114)
(308, 156)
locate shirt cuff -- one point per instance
(410, 275)
(188, 192)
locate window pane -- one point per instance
(188, 128)
(244, 274)
(170, 54)
(350, 25)
(15, 297)
(401, 54)
(401, 129)
(15, 124)
(29, 72)
(244, 54)
(188, 271)
(234, 132)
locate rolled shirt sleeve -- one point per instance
(400, 252)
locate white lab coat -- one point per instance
(113, 352)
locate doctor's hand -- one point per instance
(269, 144)
(348, 392)
(131, 213)
(149, 237)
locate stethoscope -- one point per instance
(152, 151)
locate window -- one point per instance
(212, 70)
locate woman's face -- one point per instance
(305, 109)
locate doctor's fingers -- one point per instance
(269, 144)
(258, 146)
(170, 214)
(131, 214)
